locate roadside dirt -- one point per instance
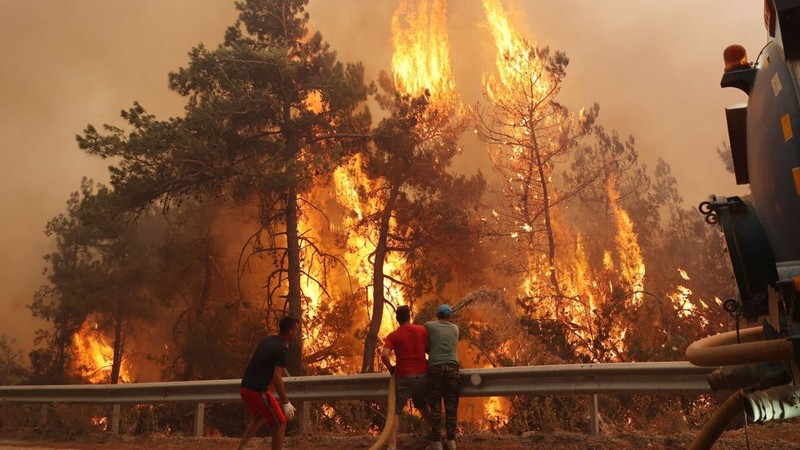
(774, 436)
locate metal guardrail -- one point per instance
(648, 377)
(611, 378)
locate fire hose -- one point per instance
(723, 350)
(732, 348)
(777, 403)
(717, 423)
(390, 416)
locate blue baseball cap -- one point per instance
(444, 311)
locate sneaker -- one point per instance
(434, 446)
(451, 445)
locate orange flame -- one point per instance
(682, 300)
(356, 196)
(630, 254)
(522, 80)
(584, 287)
(95, 356)
(496, 410)
(519, 69)
(421, 59)
(347, 180)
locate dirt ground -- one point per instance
(773, 436)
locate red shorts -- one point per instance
(263, 404)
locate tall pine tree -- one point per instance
(267, 112)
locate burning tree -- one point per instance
(583, 290)
(529, 132)
(684, 302)
(419, 218)
(572, 285)
(66, 299)
(101, 273)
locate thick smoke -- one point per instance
(654, 67)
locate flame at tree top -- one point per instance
(421, 59)
(421, 66)
(531, 134)
(519, 69)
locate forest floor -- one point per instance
(773, 436)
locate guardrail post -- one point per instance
(115, 419)
(43, 416)
(305, 417)
(199, 419)
(594, 421)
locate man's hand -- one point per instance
(386, 358)
(288, 411)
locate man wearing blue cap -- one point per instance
(443, 379)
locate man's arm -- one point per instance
(386, 358)
(277, 381)
(427, 339)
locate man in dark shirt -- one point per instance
(409, 343)
(266, 367)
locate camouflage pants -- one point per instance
(443, 384)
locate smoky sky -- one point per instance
(653, 66)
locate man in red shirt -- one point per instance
(409, 343)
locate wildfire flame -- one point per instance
(421, 59)
(585, 288)
(360, 246)
(94, 356)
(682, 300)
(630, 254)
(355, 195)
(519, 68)
(496, 410)
(100, 422)
(421, 66)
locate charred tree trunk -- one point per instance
(294, 294)
(67, 325)
(116, 364)
(198, 315)
(378, 280)
(63, 340)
